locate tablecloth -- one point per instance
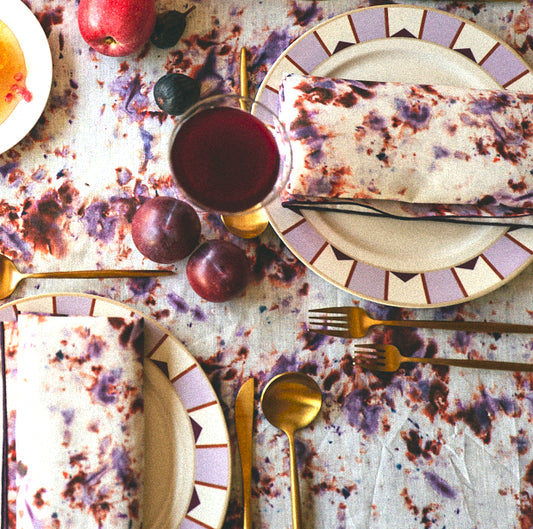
(425, 447)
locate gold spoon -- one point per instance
(291, 401)
(10, 277)
(247, 225)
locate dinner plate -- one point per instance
(402, 263)
(187, 480)
(170, 460)
(36, 49)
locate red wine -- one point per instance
(225, 159)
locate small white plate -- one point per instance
(36, 49)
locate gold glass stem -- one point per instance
(243, 77)
(249, 225)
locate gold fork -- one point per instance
(378, 357)
(354, 322)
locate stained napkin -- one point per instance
(76, 405)
(409, 150)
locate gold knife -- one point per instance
(244, 421)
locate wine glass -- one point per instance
(230, 155)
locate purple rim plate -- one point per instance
(210, 495)
(470, 275)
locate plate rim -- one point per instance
(226, 445)
(37, 52)
(420, 297)
(171, 415)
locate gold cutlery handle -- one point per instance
(244, 423)
(247, 518)
(295, 485)
(478, 364)
(91, 274)
(472, 326)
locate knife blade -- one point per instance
(244, 421)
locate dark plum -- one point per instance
(176, 92)
(218, 270)
(169, 27)
(165, 229)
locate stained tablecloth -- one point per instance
(424, 447)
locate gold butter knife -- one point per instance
(244, 421)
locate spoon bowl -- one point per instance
(10, 276)
(247, 226)
(291, 401)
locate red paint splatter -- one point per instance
(437, 399)
(417, 448)
(517, 187)
(50, 18)
(38, 497)
(44, 224)
(330, 380)
(409, 502)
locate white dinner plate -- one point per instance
(169, 461)
(34, 44)
(188, 459)
(402, 263)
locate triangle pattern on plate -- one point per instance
(196, 429)
(469, 265)
(404, 33)
(340, 255)
(405, 276)
(467, 52)
(163, 367)
(341, 45)
(195, 500)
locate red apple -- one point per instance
(116, 27)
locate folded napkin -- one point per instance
(77, 400)
(409, 150)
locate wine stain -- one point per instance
(49, 18)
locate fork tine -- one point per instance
(371, 366)
(334, 323)
(369, 362)
(365, 353)
(365, 361)
(335, 310)
(332, 316)
(372, 346)
(326, 332)
(329, 321)
(367, 356)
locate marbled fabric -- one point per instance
(437, 147)
(387, 450)
(77, 400)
